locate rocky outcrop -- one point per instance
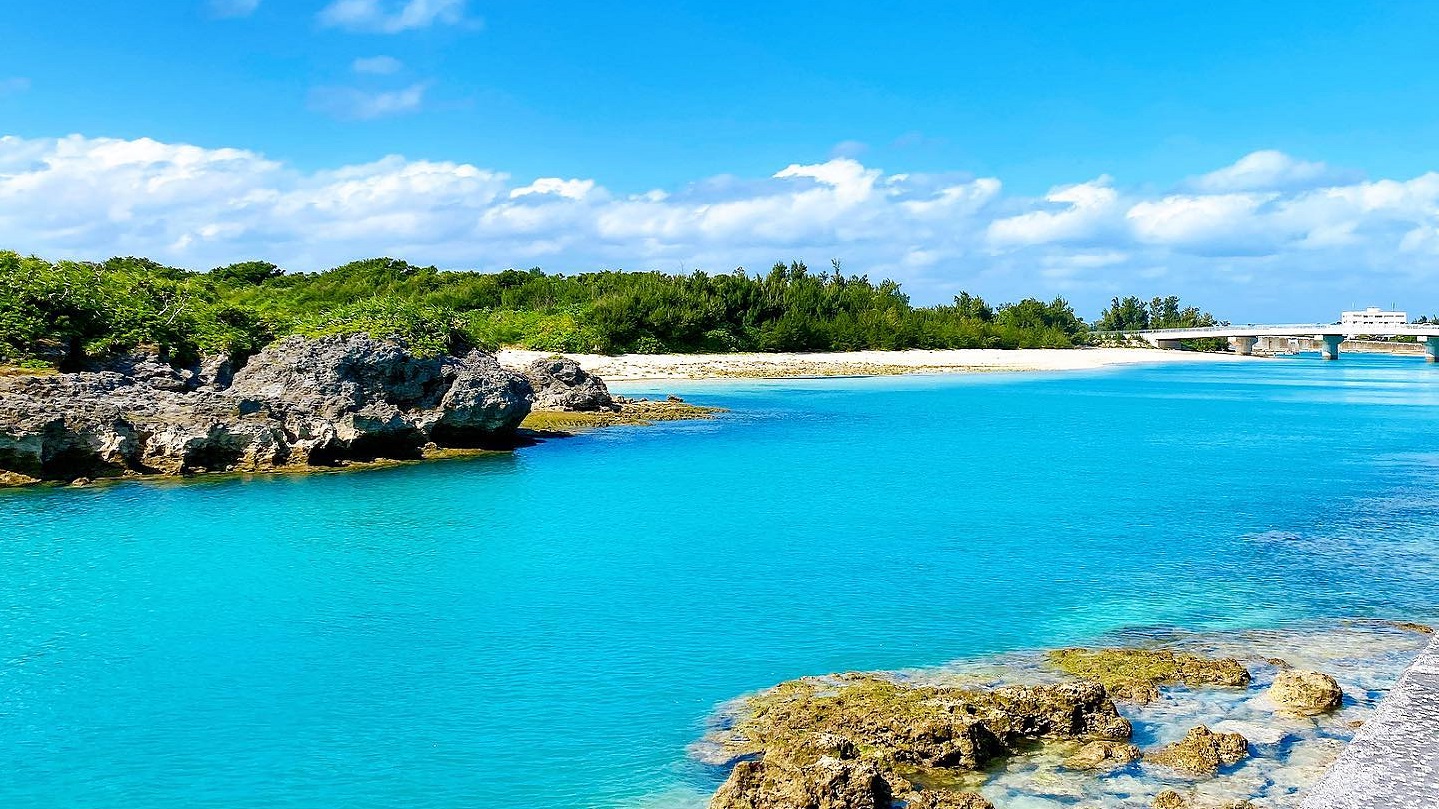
(1169, 799)
(1306, 693)
(1135, 675)
(1103, 756)
(1201, 752)
(807, 777)
(561, 384)
(300, 402)
(901, 730)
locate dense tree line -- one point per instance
(1131, 314)
(54, 312)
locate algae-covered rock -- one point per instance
(858, 725)
(1304, 692)
(934, 799)
(789, 782)
(1201, 752)
(1135, 675)
(930, 726)
(627, 412)
(1412, 626)
(1102, 756)
(1169, 799)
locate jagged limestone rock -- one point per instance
(1201, 752)
(561, 384)
(866, 721)
(299, 402)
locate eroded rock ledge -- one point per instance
(926, 741)
(296, 404)
(301, 403)
(871, 743)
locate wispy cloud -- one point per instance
(377, 65)
(354, 104)
(14, 85)
(1247, 253)
(233, 8)
(393, 16)
(849, 148)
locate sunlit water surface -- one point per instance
(555, 627)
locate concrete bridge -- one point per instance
(1242, 338)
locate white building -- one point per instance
(1373, 316)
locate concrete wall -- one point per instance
(1393, 763)
(1290, 345)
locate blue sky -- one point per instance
(706, 103)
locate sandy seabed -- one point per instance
(636, 367)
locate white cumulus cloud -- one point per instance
(1284, 254)
(569, 189)
(1072, 213)
(1269, 170)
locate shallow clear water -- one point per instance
(553, 628)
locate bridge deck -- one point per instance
(1292, 330)
(1394, 761)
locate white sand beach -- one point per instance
(634, 367)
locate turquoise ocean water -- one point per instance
(553, 628)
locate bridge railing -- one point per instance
(1233, 327)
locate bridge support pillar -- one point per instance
(1243, 346)
(1173, 345)
(1431, 349)
(1330, 351)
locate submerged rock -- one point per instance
(1304, 692)
(1169, 799)
(1412, 626)
(1201, 752)
(561, 384)
(1135, 675)
(934, 799)
(1255, 732)
(1103, 756)
(300, 402)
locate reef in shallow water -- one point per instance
(1207, 731)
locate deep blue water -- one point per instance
(552, 628)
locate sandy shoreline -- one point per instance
(637, 367)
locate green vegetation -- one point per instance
(1131, 314)
(57, 312)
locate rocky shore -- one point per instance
(299, 404)
(1238, 721)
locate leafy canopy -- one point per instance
(66, 310)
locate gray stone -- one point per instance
(1393, 762)
(561, 384)
(299, 402)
